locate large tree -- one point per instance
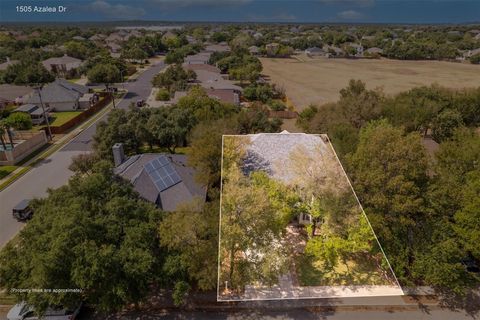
(94, 234)
(389, 173)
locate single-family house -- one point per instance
(35, 112)
(62, 65)
(374, 52)
(314, 52)
(165, 180)
(221, 47)
(11, 94)
(199, 67)
(199, 58)
(272, 48)
(212, 80)
(254, 50)
(59, 95)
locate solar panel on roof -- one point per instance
(162, 173)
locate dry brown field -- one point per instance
(319, 80)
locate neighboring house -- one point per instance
(59, 95)
(62, 65)
(221, 47)
(332, 50)
(35, 112)
(113, 47)
(254, 50)
(78, 38)
(8, 63)
(272, 48)
(199, 58)
(162, 179)
(314, 51)
(471, 53)
(272, 154)
(374, 51)
(225, 95)
(11, 94)
(204, 67)
(212, 80)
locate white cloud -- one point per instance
(350, 15)
(117, 11)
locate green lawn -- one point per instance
(6, 170)
(59, 118)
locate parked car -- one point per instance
(22, 211)
(23, 311)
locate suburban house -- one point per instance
(314, 52)
(203, 66)
(221, 47)
(5, 65)
(374, 51)
(272, 153)
(272, 48)
(35, 112)
(212, 80)
(62, 65)
(162, 179)
(59, 95)
(11, 94)
(254, 50)
(199, 58)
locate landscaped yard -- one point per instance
(59, 118)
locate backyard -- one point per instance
(320, 80)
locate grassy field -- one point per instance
(319, 80)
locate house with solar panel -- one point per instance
(163, 179)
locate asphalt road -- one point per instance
(53, 171)
(414, 313)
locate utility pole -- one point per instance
(39, 89)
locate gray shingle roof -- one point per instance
(272, 152)
(59, 91)
(168, 199)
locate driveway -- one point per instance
(53, 171)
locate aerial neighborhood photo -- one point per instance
(239, 159)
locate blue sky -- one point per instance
(339, 11)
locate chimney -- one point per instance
(118, 155)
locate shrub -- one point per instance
(20, 121)
(277, 105)
(162, 95)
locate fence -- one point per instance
(81, 117)
(25, 143)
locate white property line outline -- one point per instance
(356, 197)
(220, 223)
